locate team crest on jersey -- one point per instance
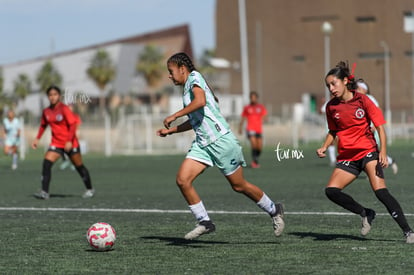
(360, 113)
(59, 117)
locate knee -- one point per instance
(182, 181)
(332, 192)
(239, 187)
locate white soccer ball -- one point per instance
(101, 236)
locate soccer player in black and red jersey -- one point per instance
(349, 115)
(62, 122)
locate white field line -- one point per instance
(121, 210)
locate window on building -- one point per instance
(372, 55)
(320, 18)
(365, 19)
(299, 58)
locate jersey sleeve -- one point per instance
(71, 120)
(244, 112)
(329, 118)
(374, 112)
(42, 127)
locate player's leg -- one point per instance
(50, 158)
(241, 185)
(255, 153)
(76, 159)
(15, 157)
(341, 177)
(187, 173)
(376, 179)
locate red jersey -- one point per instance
(254, 113)
(351, 121)
(62, 122)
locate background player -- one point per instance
(255, 113)
(12, 128)
(363, 88)
(215, 144)
(349, 115)
(63, 127)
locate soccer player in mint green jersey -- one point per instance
(214, 144)
(11, 126)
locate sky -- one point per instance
(33, 28)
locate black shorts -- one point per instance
(253, 134)
(62, 152)
(357, 166)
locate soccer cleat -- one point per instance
(394, 167)
(277, 220)
(367, 221)
(88, 194)
(14, 166)
(203, 227)
(409, 237)
(42, 195)
(255, 164)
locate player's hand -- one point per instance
(383, 160)
(34, 143)
(168, 120)
(68, 146)
(321, 152)
(163, 132)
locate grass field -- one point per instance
(48, 237)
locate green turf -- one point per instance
(53, 242)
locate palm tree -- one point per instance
(48, 75)
(22, 86)
(101, 71)
(151, 67)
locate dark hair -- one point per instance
(341, 71)
(182, 59)
(254, 93)
(53, 87)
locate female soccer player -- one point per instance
(214, 144)
(254, 113)
(349, 115)
(63, 126)
(12, 127)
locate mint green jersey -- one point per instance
(207, 122)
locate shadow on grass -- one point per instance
(60, 196)
(181, 241)
(327, 237)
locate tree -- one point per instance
(151, 67)
(101, 71)
(48, 75)
(22, 86)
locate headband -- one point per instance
(362, 85)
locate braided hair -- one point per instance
(341, 71)
(182, 59)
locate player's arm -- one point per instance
(242, 120)
(383, 160)
(330, 137)
(185, 126)
(72, 126)
(199, 101)
(42, 127)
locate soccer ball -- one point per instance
(101, 236)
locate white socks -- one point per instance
(267, 205)
(199, 212)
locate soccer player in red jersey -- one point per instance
(349, 115)
(254, 113)
(63, 125)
